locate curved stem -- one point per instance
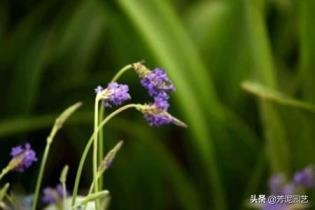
(57, 125)
(88, 146)
(101, 117)
(121, 72)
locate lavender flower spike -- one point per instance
(157, 82)
(53, 195)
(22, 157)
(115, 94)
(157, 116)
(305, 177)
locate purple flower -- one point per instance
(114, 94)
(157, 119)
(305, 177)
(157, 82)
(161, 102)
(22, 157)
(53, 195)
(278, 186)
(157, 115)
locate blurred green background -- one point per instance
(54, 53)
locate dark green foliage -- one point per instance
(53, 53)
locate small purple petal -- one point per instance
(16, 150)
(158, 119)
(157, 82)
(161, 102)
(25, 157)
(117, 94)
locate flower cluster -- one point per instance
(157, 83)
(22, 157)
(155, 115)
(302, 180)
(53, 195)
(158, 86)
(114, 94)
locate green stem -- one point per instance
(58, 124)
(95, 150)
(63, 180)
(101, 117)
(93, 183)
(121, 72)
(3, 191)
(101, 143)
(91, 188)
(4, 172)
(89, 144)
(42, 167)
(86, 200)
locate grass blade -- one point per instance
(276, 142)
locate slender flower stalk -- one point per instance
(106, 163)
(86, 200)
(63, 180)
(4, 172)
(3, 191)
(89, 144)
(101, 141)
(95, 150)
(101, 117)
(57, 126)
(121, 72)
(158, 85)
(113, 95)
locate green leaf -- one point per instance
(268, 94)
(276, 140)
(173, 49)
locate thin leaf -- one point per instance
(268, 94)
(276, 141)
